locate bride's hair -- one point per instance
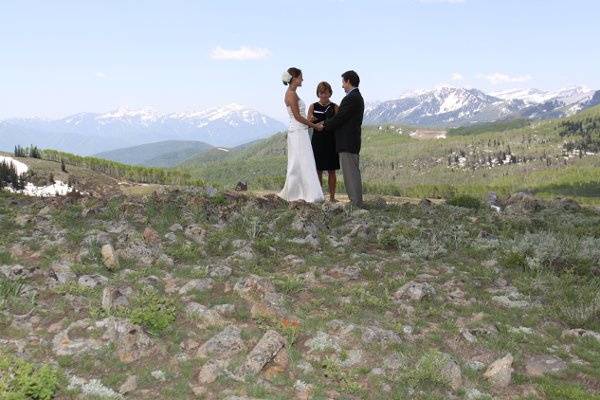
(292, 72)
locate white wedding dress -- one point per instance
(301, 181)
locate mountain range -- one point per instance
(233, 125)
(91, 133)
(451, 107)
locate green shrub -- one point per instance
(153, 311)
(515, 260)
(21, 380)
(427, 371)
(465, 201)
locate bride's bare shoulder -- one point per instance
(290, 98)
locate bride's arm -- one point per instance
(293, 103)
(309, 114)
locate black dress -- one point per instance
(323, 143)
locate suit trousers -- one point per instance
(352, 180)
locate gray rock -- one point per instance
(197, 284)
(309, 240)
(260, 293)
(92, 281)
(265, 350)
(576, 333)
(224, 309)
(109, 257)
(211, 370)
(353, 358)
(113, 298)
(220, 272)
(542, 364)
(159, 375)
(223, 345)
(62, 272)
(414, 291)
(129, 385)
(171, 237)
(474, 394)
(451, 373)
(476, 365)
(195, 233)
(322, 341)
(92, 387)
(506, 301)
(131, 342)
(176, 228)
(15, 272)
(63, 345)
(207, 316)
(499, 373)
(379, 335)
(136, 249)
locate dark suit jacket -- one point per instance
(347, 123)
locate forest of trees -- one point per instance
(31, 151)
(9, 176)
(117, 170)
(585, 134)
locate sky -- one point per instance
(62, 57)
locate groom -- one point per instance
(347, 124)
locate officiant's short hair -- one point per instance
(324, 87)
(352, 77)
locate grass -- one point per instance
(9, 290)
(554, 390)
(22, 380)
(398, 165)
(426, 372)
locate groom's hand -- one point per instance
(319, 126)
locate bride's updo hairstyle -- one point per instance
(290, 74)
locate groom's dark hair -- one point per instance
(352, 77)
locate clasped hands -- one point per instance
(318, 127)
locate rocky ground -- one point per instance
(199, 294)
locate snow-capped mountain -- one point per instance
(90, 133)
(442, 106)
(449, 106)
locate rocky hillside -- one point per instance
(199, 294)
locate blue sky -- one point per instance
(61, 57)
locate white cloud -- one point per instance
(243, 53)
(443, 1)
(497, 78)
(101, 75)
(457, 77)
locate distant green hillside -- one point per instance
(397, 164)
(133, 173)
(497, 126)
(261, 163)
(159, 154)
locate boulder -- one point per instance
(109, 257)
(499, 373)
(541, 365)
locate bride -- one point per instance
(301, 181)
